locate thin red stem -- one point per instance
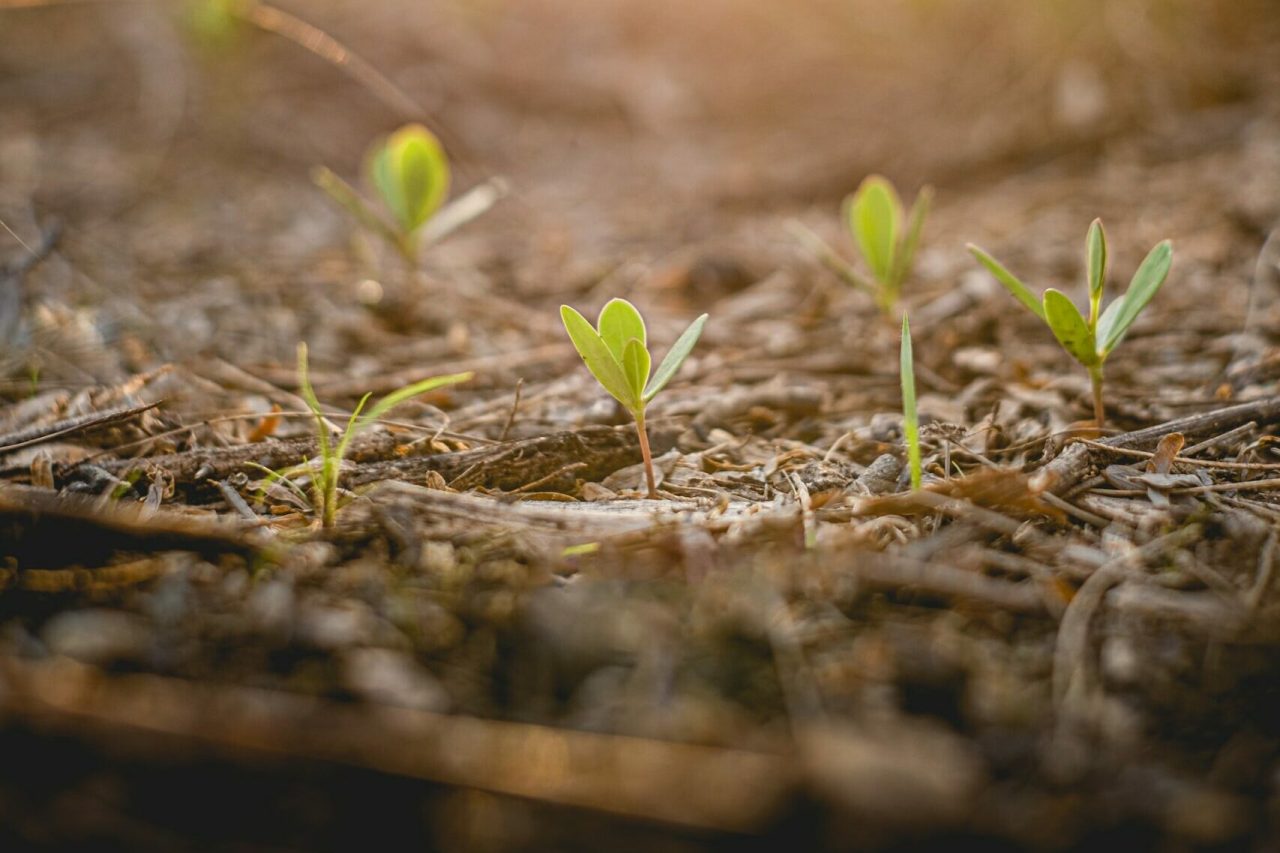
(648, 457)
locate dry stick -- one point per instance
(1266, 572)
(325, 46)
(67, 426)
(1074, 463)
(1216, 440)
(699, 787)
(515, 408)
(1184, 459)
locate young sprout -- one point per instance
(325, 480)
(910, 419)
(616, 353)
(410, 174)
(886, 237)
(1089, 341)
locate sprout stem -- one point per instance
(648, 457)
(1095, 378)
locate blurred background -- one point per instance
(176, 139)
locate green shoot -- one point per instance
(886, 237)
(325, 480)
(1090, 340)
(616, 353)
(410, 174)
(910, 418)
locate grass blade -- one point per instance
(408, 392)
(910, 418)
(911, 239)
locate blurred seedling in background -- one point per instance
(615, 351)
(409, 173)
(910, 418)
(1090, 340)
(324, 479)
(886, 237)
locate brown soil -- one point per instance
(1052, 645)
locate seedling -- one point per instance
(886, 237)
(1090, 341)
(910, 418)
(325, 479)
(616, 353)
(410, 174)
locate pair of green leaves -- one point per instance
(410, 173)
(886, 236)
(615, 351)
(1090, 340)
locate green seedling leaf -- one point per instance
(874, 214)
(1069, 327)
(1146, 282)
(411, 174)
(911, 239)
(358, 422)
(829, 257)
(349, 200)
(598, 358)
(408, 392)
(313, 402)
(1095, 247)
(1020, 291)
(619, 323)
(635, 363)
(910, 417)
(679, 352)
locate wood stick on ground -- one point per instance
(1074, 463)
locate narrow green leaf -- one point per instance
(1096, 250)
(910, 418)
(1146, 282)
(599, 360)
(635, 363)
(1069, 327)
(1020, 291)
(830, 258)
(408, 392)
(313, 402)
(347, 198)
(354, 425)
(874, 214)
(620, 322)
(358, 422)
(911, 239)
(679, 352)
